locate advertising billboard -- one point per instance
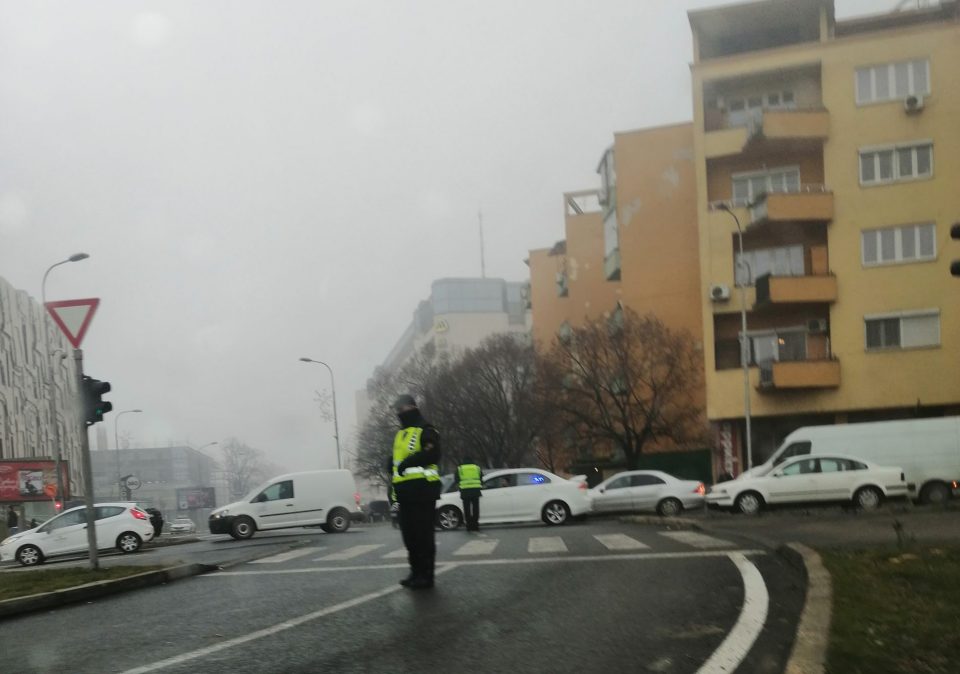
(31, 480)
(196, 497)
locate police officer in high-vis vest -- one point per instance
(468, 477)
(416, 482)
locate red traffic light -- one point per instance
(58, 506)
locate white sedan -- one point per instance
(519, 495)
(183, 525)
(812, 479)
(651, 490)
(120, 525)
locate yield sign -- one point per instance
(73, 317)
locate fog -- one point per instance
(261, 181)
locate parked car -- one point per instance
(650, 490)
(812, 479)
(519, 495)
(183, 525)
(123, 526)
(327, 499)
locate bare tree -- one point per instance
(628, 382)
(243, 466)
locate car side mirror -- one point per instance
(603, 490)
(778, 474)
(261, 498)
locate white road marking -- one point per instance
(701, 541)
(396, 554)
(269, 631)
(477, 547)
(546, 544)
(349, 553)
(752, 617)
(287, 556)
(640, 556)
(620, 542)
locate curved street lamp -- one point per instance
(333, 389)
(51, 394)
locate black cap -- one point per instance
(406, 400)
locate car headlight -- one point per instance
(219, 514)
(10, 539)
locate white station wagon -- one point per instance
(519, 495)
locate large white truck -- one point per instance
(927, 450)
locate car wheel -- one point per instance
(243, 528)
(338, 521)
(868, 498)
(128, 542)
(449, 518)
(936, 493)
(749, 503)
(555, 513)
(29, 555)
(669, 507)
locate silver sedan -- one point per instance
(647, 490)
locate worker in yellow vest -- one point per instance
(416, 483)
(469, 478)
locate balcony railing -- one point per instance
(812, 289)
(801, 374)
(808, 202)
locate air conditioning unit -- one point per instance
(913, 104)
(817, 326)
(719, 292)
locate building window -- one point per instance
(908, 243)
(895, 163)
(741, 110)
(893, 81)
(748, 186)
(782, 261)
(903, 331)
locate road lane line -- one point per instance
(701, 541)
(396, 554)
(349, 553)
(749, 625)
(477, 547)
(620, 542)
(546, 544)
(640, 556)
(279, 627)
(287, 556)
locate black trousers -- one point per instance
(416, 525)
(471, 511)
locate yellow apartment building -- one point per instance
(836, 147)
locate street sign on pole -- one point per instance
(73, 317)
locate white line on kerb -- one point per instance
(752, 617)
(268, 631)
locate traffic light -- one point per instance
(955, 235)
(94, 407)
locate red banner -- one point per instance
(25, 480)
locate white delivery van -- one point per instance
(323, 498)
(927, 450)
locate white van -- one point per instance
(927, 450)
(322, 498)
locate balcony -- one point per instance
(801, 374)
(778, 290)
(728, 134)
(790, 126)
(811, 203)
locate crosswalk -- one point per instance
(487, 546)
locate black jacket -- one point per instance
(419, 490)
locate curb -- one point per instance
(100, 588)
(809, 652)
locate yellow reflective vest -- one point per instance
(469, 476)
(405, 443)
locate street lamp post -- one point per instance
(744, 344)
(116, 444)
(51, 393)
(333, 390)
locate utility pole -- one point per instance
(86, 462)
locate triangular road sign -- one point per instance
(73, 317)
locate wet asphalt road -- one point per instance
(596, 596)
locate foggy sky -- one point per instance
(260, 181)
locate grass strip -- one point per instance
(23, 583)
(895, 610)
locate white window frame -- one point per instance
(897, 178)
(891, 81)
(767, 172)
(901, 315)
(898, 245)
